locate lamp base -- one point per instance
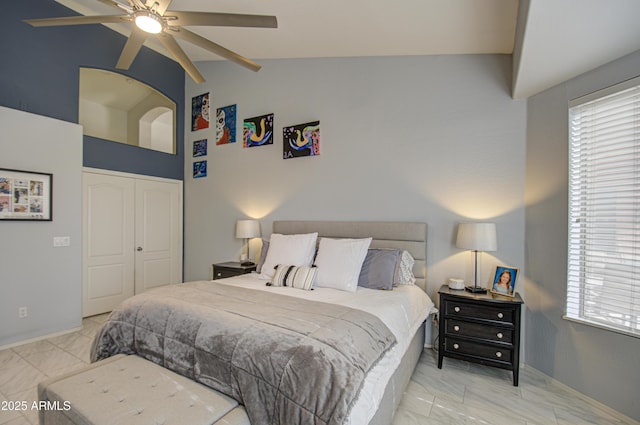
(247, 263)
(475, 289)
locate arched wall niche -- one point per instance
(122, 109)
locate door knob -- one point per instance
(139, 249)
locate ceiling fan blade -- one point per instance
(137, 4)
(216, 48)
(162, 6)
(119, 5)
(222, 19)
(172, 46)
(77, 20)
(131, 48)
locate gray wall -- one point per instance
(432, 139)
(601, 364)
(34, 274)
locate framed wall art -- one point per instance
(200, 148)
(258, 131)
(301, 140)
(25, 195)
(200, 112)
(199, 169)
(226, 125)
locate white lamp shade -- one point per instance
(247, 229)
(477, 236)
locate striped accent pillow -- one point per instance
(300, 277)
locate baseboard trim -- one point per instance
(40, 338)
(618, 415)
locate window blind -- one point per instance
(603, 273)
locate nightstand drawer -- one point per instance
(476, 330)
(478, 311)
(220, 273)
(230, 269)
(494, 353)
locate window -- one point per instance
(603, 272)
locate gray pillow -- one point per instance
(263, 255)
(380, 268)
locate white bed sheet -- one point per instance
(403, 310)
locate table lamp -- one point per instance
(477, 237)
(247, 229)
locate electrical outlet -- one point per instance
(22, 312)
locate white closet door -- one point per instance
(158, 255)
(108, 240)
(132, 237)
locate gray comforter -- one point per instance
(288, 360)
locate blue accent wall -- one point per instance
(39, 72)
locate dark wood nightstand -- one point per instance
(230, 269)
(480, 328)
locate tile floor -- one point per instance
(459, 393)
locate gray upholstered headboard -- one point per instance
(385, 234)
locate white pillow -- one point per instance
(339, 262)
(294, 250)
(405, 275)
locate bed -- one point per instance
(389, 325)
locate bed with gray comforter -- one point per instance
(288, 360)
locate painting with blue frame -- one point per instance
(226, 125)
(199, 169)
(200, 112)
(200, 148)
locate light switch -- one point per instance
(61, 241)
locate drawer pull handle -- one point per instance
(456, 309)
(456, 346)
(500, 315)
(498, 354)
(499, 335)
(456, 328)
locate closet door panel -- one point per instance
(158, 234)
(108, 238)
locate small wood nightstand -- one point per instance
(480, 328)
(230, 269)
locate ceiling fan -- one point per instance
(151, 17)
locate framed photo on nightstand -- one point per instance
(504, 281)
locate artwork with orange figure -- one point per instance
(258, 131)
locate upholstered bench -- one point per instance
(130, 390)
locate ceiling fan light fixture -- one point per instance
(148, 22)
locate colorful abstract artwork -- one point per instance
(226, 125)
(199, 169)
(301, 140)
(200, 112)
(200, 148)
(258, 131)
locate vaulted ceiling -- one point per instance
(551, 40)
